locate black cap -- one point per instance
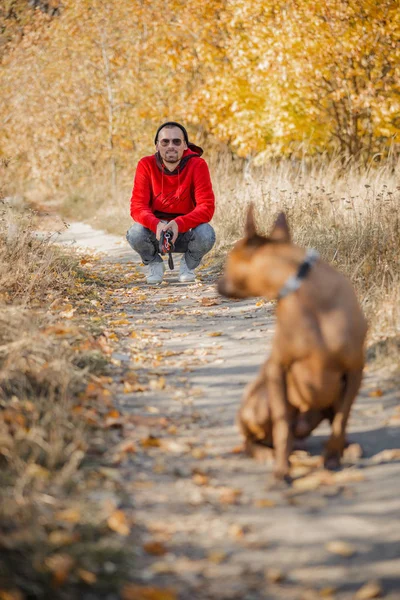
(173, 124)
(192, 147)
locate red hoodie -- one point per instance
(185, 194)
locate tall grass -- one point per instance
(351, 216)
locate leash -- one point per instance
(295, 281)
(167, 247)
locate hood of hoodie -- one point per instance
(192, 151)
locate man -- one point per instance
(172, 191)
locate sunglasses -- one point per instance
(175, 142)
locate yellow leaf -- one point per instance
(60, 566)
(118, 522)
(341, 548)
(376, 393)
(215, 334)
(274, 575)
(210, 301)
(150, 442)
(372, 589)
(229, 495)
(70, 515)
(264, 503)
(200, 479)
(62, 538)
(87, 576)
(386, 456)
(216, 556)
(37, 471)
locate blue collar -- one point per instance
(295, 281)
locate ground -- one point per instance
(209, 521)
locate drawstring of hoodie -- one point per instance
(162, 182)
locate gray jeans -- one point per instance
(194, 243)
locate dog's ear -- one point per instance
(280, 231)
(250, 227)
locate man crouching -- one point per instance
(172, 191)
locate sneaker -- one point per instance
(155, 273)
(186, 275)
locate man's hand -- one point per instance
(164, 226)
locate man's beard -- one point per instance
(170, 159)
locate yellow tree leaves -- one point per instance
(83, 90)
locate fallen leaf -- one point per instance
(110, 422)
(200, 479)
(126, 447)
(138, 592)
(264, 503)
(67, 312)
(274, 575)
(353, 452)
(117, 521)
(214, 333)
(129, 387)
(324, 477)
(155, 548)
(70, 515)
(150, 442)
(236, 531)
(60, 566)
(198, 453)
(328, 592)
(348, 476)
(216, 556)
(87, 576)
(372, 589)
(341, 548)
(62, 538)
(376, 393)
(37, 471)
(301, 458)
(386, 456)
(210, 301)
(114, 414)
(313, 481)
(157, 384)
(229, 495)
(174, 446)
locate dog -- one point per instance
(315, 367)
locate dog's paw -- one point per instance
(282, 476)
(332, 462)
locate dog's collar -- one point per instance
(294, 282)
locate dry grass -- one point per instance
(351, 217)
(53, 523)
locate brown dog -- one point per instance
(315, 367)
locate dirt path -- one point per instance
(209, 523)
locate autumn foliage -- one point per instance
(85, 86)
